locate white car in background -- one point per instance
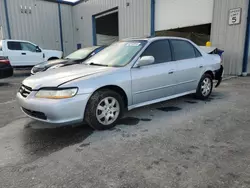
(24, 53)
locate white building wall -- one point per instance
(134, 20)
(171, 14)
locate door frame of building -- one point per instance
(247, 43)
(98, 15)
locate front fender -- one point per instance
(88, 85)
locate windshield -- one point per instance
(118, 54)
(80, 54)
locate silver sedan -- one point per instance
(126, 75)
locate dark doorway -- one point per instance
(199, 34)
(106, 30)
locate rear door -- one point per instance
(155, 81)
(189, 62)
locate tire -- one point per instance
(204, 93)
(98, 107)
(52, 58)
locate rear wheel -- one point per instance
(104, 109)
(205, 87)
(52, 58)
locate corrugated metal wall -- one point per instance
(41, 26)
(134, 20)
(3, 19)
(67, 29)
(230, 38)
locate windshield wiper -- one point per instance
(98, 64)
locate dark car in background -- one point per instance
(6, 69)
(76, 57)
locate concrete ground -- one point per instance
(180, 143)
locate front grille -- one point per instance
(35, 114)
(25, 91)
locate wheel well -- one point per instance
(52, 58)
(210, 73)
(119, 91)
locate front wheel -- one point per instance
(205, 87)
(104, 109)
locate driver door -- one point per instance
(155, 81)
(30, 55)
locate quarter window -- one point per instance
(14, 45)
(160, 50)
(183, 50)
(197, 53)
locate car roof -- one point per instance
(150, 39)
(12, 40)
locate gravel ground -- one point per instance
(180, 143)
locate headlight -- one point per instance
(57, 93)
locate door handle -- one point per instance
(23, 53)
(171, 72)
(201, 66)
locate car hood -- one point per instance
(57, 77)
(50, 63)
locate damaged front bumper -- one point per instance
(219, 75)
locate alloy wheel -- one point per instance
(108, 111)
(206, 87)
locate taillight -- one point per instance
(4, 60)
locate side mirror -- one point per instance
(145, 60)
(38, 49)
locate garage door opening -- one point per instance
(199, 34)
(106, 27)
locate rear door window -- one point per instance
(160, 50)
(183, 50)
(14, 45)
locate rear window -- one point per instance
(1, 45)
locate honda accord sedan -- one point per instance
(126, 75)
